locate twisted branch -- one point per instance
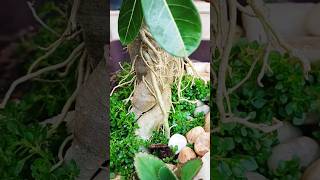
(37, 18)
(38, 73)
(72, 98)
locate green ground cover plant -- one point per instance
(26, 150)
(124, 126)
(285, 95)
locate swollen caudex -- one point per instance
(155, 71)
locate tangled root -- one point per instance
(60, 153)
(155, 72)
(224, 34)
(35, 74)
(37, 18)
(83, 71)
(66, 107)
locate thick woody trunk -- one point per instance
(90, 127)
(93, 17)
(151, 100)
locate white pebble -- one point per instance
(178, 140)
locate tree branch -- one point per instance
(225, 60)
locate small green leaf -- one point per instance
(228, 143)
(190, 169)
(166, 174)
(224, 168)
(259, 103)
(20, 164)
(174, 24)
(244, 131)
(249, 164)
(290, 108)
(130, 20)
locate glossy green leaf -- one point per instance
(130, 20)
(166, 174)
(174, 24)
(190, 169)
(147, 166)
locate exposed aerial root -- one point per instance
(146, 40)
(123, 81)
(155, 88)
(305, 62)
(276, 124)
(66, 35)
(66, 107)
(38, 73)
(222, 93)
(161, 104)
(264, 64)
(224, 35)
(131, 94)
(60, 153)
(69, 33)
(179, 79)
(122, 84)
(51, 49)
(189, 63)
(157, 71)
(34, 13)
(244, 10)
(48, 80)
(223, 66)
(34, 71)
(69, 65)
(149, 86)
(160, 70)
(235, 87)
(72, 19)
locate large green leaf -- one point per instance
(148, 166)
(166, 174)
(190, 169)
(174, 24)
(130, 20)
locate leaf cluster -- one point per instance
(288, 170)
(182, 118)
(238, 150)
(124, 144)
(150, 167)
(286, 95)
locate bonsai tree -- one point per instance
(159, 35)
